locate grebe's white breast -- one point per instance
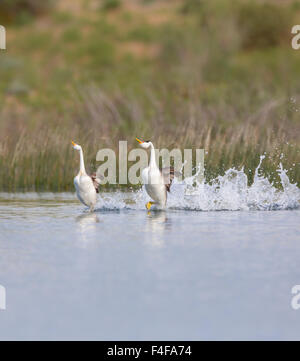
(85, 190)
(154, 184)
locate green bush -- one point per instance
(111, 4)
(263, 25)
(191, 6)
(11, 10)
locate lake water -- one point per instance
(191, 272)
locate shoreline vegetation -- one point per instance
(219, 75)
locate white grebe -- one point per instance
(157, 181)
(87, 186)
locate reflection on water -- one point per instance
(155, 228)
(87, 227)
(87, 221)
(157, 224)
(123, 273)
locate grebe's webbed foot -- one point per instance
(149, 205)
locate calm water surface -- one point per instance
(121, 273)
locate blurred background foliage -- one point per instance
(16, 11)
(218, 74)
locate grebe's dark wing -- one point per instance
(169, 174)
(96, 181)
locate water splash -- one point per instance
(231, 192)
(227, 192)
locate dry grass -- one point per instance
(42, 158)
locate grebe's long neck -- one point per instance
(152, 164)
(82, 167)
